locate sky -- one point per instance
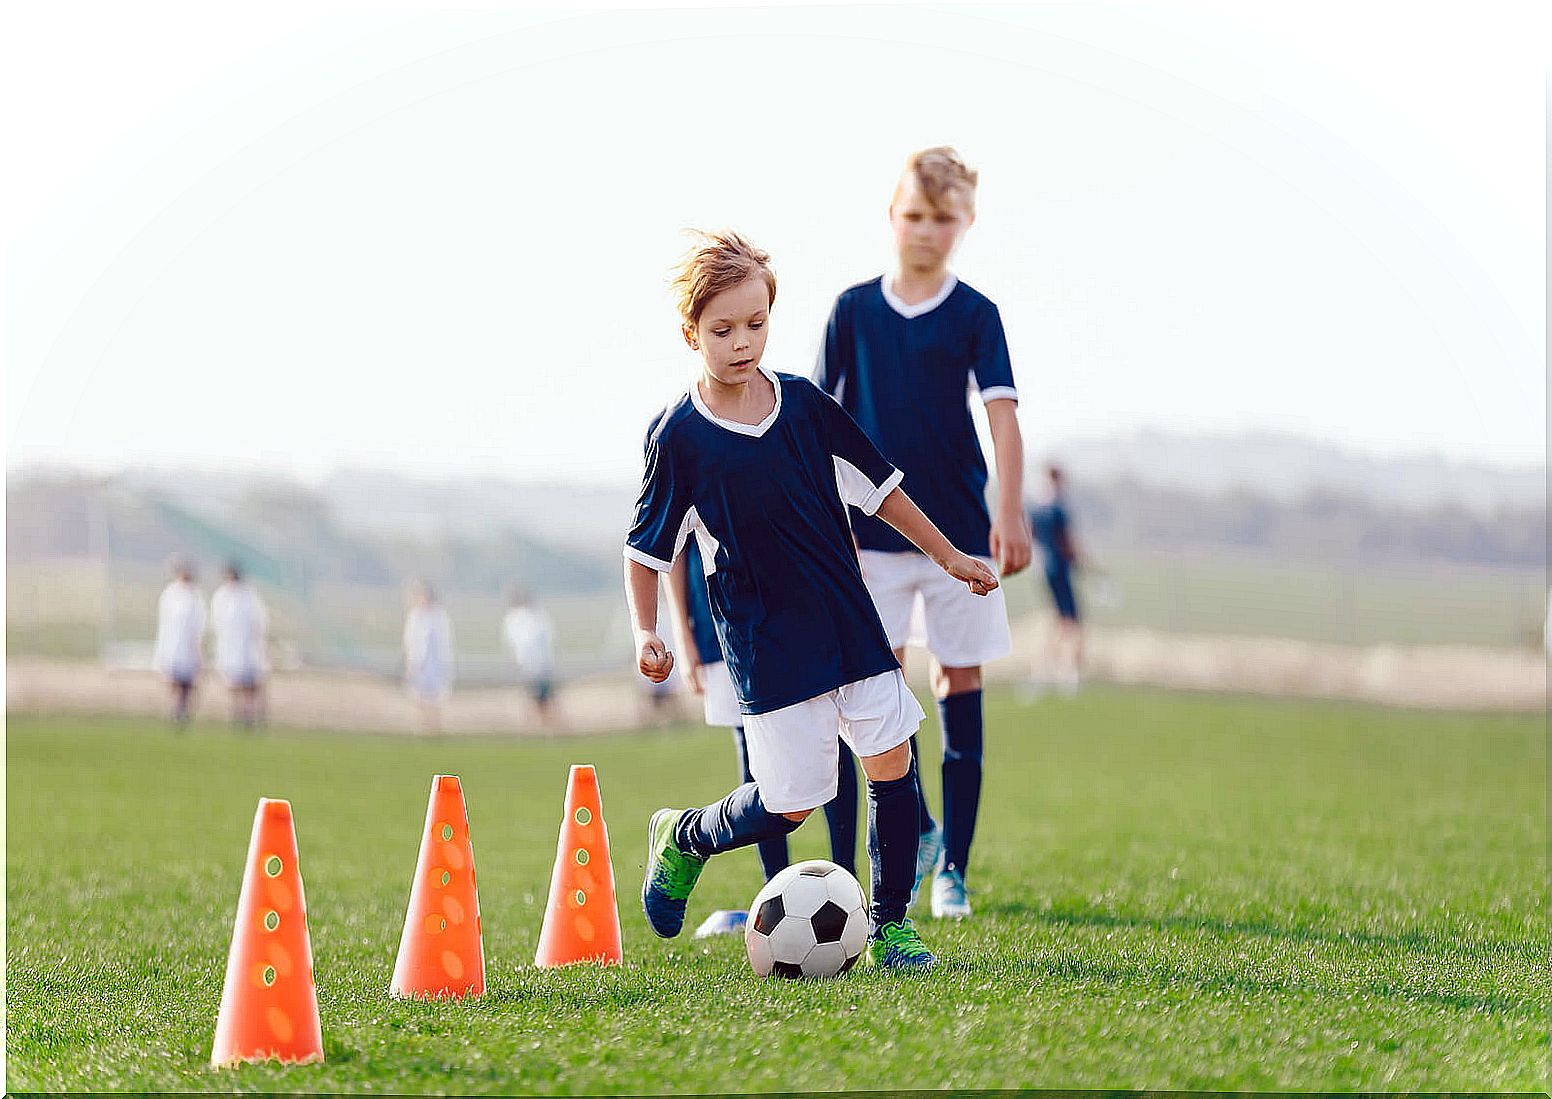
(307, 236)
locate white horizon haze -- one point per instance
(308, 237)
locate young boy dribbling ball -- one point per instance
(899, 354)
(759, 468)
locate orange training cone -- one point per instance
(269, 1007)
(581, 922)
(441, 952)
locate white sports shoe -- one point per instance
(722, 922)
(928, 851)
(949, 901)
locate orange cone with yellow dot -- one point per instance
(269, 1007)
(441, 952)
(581, 921)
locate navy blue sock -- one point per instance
(774, 856)
(962, 740)
(924, 821)
(736, 821)
(892, 840)
(841, 815)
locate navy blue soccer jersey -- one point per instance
(767, 505)
(703, 628)
(904, 373)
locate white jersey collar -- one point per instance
(921, 307)
(753, 430)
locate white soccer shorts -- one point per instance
(720, 699)
(920, 604)
(794, 751)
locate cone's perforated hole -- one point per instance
(444, 877)
(581, 897)
(447, 831)
(583, 816)
(269, 975)
(582, 856)
(271, 920)
(272, 866)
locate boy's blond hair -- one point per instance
(937, 171)
(717, 261)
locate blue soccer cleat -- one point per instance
(671, 875)
(897, 946)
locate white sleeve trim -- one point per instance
(690, 522)
(634, 554)
(870, 502)
(999, 393)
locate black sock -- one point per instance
(893, 837)
(773, 852)
(841, 815)
(736, 821)
(924, 821)
(962, 740)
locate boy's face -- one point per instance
(926, 235)
(731, 332)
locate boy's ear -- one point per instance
(688, 333)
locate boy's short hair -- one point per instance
(937, 171)
(717, 261)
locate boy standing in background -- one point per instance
(900, 353)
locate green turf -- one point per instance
(1173, 893)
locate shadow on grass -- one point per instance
(1416, 941)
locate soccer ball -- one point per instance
(810, 920)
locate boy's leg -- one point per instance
(841, 815)
(892, 835)
(792, 754)
(773, 852)
(959, 710)
(679, 841)
(878, 716)
(963, 632)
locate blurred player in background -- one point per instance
(240, 623)
(529, 634)
(900, 353)
(1052, 525)
(180, 628)
(428, 654)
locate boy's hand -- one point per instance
(693, 678)
(961, 566)
(1010, 543)
(655, 661)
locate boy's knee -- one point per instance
(954, 681)
(796, 817)
(888, 766)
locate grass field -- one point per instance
(1173, 893)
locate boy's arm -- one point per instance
(1010, 542)
(679, 611)
(652, 656)
(901, 512)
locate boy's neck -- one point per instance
(740, 401)
(914, 287)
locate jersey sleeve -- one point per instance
(664, 515)
(863, 476)
(835, 351)
(993, 364)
